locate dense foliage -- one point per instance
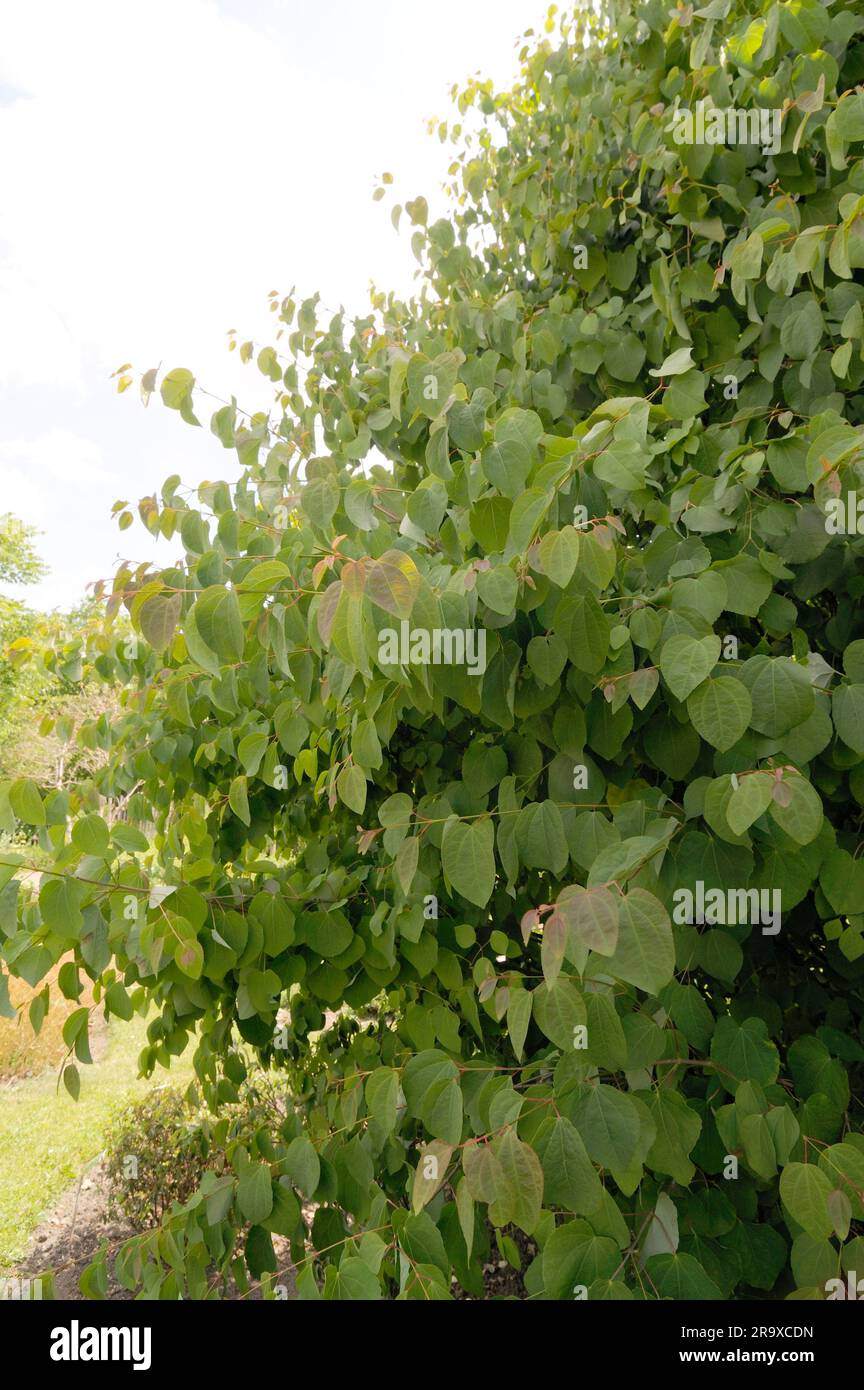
(608, 436)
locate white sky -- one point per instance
(163, 167)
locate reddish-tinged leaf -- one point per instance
(591, 915)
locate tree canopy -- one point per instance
(594, 911)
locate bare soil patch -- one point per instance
(72, 1234)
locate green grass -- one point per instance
(47, 1138)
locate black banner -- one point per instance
(155, 1338)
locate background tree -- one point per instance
(19, 564)
(608, 431)
(45, 692)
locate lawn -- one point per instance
(46, 1138)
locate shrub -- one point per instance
(599, 455)
(158, 1149)
(155, 1154)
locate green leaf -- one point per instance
(238, 800)
(684, 399)
(848, 117)
(581, 623)
(196, 647)
(518, 1018)
(393, 583)
(747, 584)
(847, 709)
(519, 426)
(608, 1123)
(571, 1181)
(574, 1256)
(465, 1209)
(559, 1011)
(841, 879)
(552, 948)
(540, 838)
(559, 555)
(507, 464)
(260, 1255)
(90, 835)
(685, 662)
(743, 1052)
(677, 1128)
(805, 1191)
(422, 1243)
(528, 511)
(680, 1276)
(72, 1080)
(158, 617)
(262, 580)
(780, 691)
(302, 1165)
(750, 799)
(430, 383)
(354, 1281)
(625, 357)
(76, 1026)
(60, 902)
(591, 917)
(176, 391)
(129, 838)
(547, 657)
(645, 953)
(277, 920)
(250, 751)
(118, 1001)
(366, 746)
(675, 364)
(351, 787)
(255, 1192)
(407, 858)
(218, 622)
(499, 589)
(518, 1184)
(7, 1009)
(843, 1165)
(189, 956)
(468, 859)
(607, 1045)
(427, 504)
(798, 811)
(382, 1096)
(26, 802)
(430, 1174)
(319, 500)
(720, 710)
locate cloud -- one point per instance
(164, 167)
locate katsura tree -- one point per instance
(563, 941)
